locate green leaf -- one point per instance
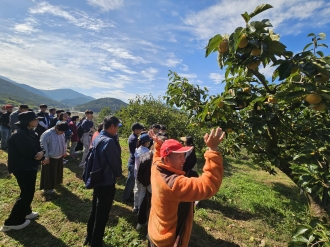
(276, 47)
(275, 74)
(300, 230)
(213, 44)
(260, 24)
(246, 17)
(321, 54)
(298, 156)
(295, 94)
(306, 46)
(260, 9)
(311, 34)
(324, 45)
(284, 70)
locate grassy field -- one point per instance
(251, 208)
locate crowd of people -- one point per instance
(162, 185)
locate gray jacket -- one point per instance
(13, 119)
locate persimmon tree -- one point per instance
(282, 121)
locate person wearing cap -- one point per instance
(5, 126)
(14, 116)
(88, 127)
(24, 156)
(44, 121)
(139, 190)
(53, 142)
(173, 194)
(191, 158)
(109, 153)
(132, 140)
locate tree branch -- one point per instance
(261, 78)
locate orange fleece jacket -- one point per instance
(164, 201)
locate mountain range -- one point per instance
(16, 93)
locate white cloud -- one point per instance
(188, 76)
(77, 18)
(225, 16)
(149, 73)
(217, 78)
(184, 67)
(106, 5)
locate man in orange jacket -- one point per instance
(173, 194)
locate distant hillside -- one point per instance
(99, 104)
(76, 101)
(31, 89)
(64, 94)
(14, 94)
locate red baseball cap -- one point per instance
(8, 106)
(173, 146)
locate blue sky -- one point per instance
(120, 48)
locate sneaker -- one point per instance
(135, 210)
(17, 227)
(139, 226)
(32, 215)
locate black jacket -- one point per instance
(23, 146)
(4, 119)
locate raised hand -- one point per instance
(154, 137)
(213, 139)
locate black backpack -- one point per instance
(94, 172)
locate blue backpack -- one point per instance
(94, 172)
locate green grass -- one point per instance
(251, 208)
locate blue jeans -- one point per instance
(5, 134)
(130, 182)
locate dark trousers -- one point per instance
(102, 201)
(144, 209)
(26, 181)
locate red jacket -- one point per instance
(73, 128)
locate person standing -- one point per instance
(14, 116)
(52, 113)
(173, 194)
(88, 127)
(55, 119)
(139, 189)
(53, 142)
(5, 126)
(74, 136)
(44, 121)
(109, 153)
(191, 158)
(132, 141)
(24, 156)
